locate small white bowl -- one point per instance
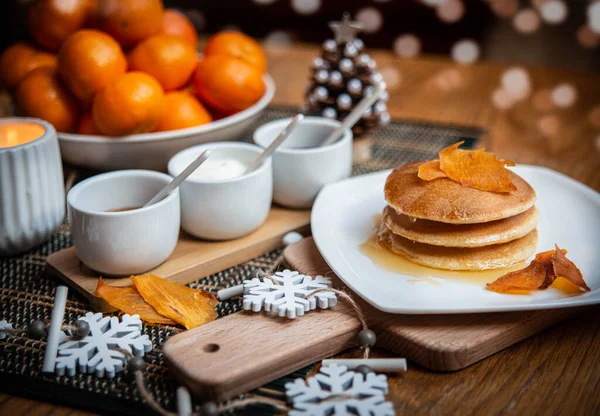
(300, 169)
(224, 209)
(153, 150)
(127, 242)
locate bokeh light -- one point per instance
(594, 117)
(407, 46)
(279, 38)
(504, 8)
(587, 37)
(526, 21)
(450, 11)
(502, 100)
(370, 18)
(554, 12)
(392, 77)
(516, 82)
(549, 125)
(465, 51)
(448, 79)
(564, 95)
(306, 6)
(593, 13)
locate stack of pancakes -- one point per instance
(444, 225)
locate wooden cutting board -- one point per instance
(245, 350)
(192, 258)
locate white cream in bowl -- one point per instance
(218, 169)
(219, 201)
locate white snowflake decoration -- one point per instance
(4, 325)
(95, 353)
(358, 395)
(290, 297)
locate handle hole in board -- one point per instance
(211, 348)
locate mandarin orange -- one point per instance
(238, 45)
(88, 60)
(20, 59)
(86, 125)
(170, 59)
(50, 22)
(41, 94)
(228, 84)
(132, 103)
(131, 21)
(176, 23)
(184, 111)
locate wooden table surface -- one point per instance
(555, 372)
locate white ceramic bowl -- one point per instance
(300, 169)
(224, 209)
(153, 150)
(128, 242)
(32, 193)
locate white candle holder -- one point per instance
(32, 195)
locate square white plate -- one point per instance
(342, 219)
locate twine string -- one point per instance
(147, 396)
(344, 296)
(18, 331)
(13, 331)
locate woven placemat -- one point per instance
(27, 294)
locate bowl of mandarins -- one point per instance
(124, 85)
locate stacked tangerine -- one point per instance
(115, 68)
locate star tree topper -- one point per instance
(346, 30)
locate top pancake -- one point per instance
(447, 201)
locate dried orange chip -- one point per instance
(128, 300)
(189, 307)
(563, 267)
(476, 169)
(430, 170)
(545, 258)
(541, 273)
(531, 277)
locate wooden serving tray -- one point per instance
(192, 258)
(245, 350)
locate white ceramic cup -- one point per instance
(32, 193)
(127, 242)
(224, 209)
(300, 169)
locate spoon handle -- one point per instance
(354, 115)
(275, 144)
(179, 178)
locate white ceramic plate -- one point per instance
(342, 219)
(153, 150)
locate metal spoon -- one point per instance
(354, 115)
(171, 186)
(275, 143)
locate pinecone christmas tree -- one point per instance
(342, 76)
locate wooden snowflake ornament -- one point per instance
(337, 391)
(287, 293)
(100, 352)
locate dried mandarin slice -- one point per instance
(127, 299)
(430, 170)
(187, 306)
(476, 169)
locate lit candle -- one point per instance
(18, 133)
(32, 193)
